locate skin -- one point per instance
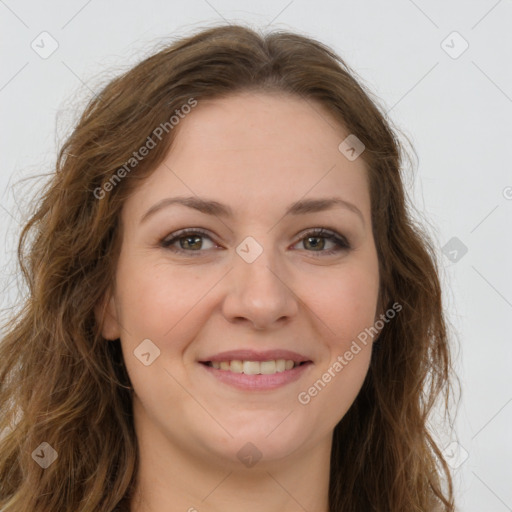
(257, 153)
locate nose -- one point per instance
(260, 293)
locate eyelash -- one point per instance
(341, 242)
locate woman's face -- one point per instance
(252, 277)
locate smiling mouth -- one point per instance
(255, 367)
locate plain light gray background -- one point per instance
(453, 102)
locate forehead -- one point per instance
(251, 149)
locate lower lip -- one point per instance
(257, 382)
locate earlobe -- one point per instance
(106, 316)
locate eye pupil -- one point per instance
(188, 238)
(316, 245)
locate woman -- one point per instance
(229, 306)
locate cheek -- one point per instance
(352, 312)
(157, 302)
(348, 309)
(334, 389)
(156, 297)
(347, 302)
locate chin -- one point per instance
(258, 442)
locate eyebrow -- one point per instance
(212, 207)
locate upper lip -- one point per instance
(253, 355)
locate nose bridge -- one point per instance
(257, 266)
(259, 293)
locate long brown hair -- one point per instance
(61, 383)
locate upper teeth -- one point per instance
(255, 367)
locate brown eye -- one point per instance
(321, 241)
(190, 242)
(187, 240)
(317, 239)
(315, 242)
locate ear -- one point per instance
(106, 317)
